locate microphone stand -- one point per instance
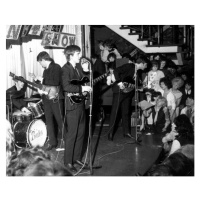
(136, 110)
(91, 167)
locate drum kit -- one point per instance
(29, 129)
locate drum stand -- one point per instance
(11, 110)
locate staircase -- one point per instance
(146, 43)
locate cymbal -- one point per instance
(32, 99)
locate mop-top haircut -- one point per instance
(70, 50)
(44, 55)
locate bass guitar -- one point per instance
(77, 98)
(51, 91)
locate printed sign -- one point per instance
(36, 30)
(54, 39)
(13, 32)
(25, 30)
(53, 28)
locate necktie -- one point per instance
(77, 72)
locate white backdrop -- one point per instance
(21, 59)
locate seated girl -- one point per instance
(182, 133)
(160, 116)
(154, 76)
(145, 105)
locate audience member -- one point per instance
(10, 142)
(165, 85)
(176, 84)
(189, 109)
(34, 162)
(154, 76)
(182, 133)
(179, 164)
(187, 90)
(176, 164)
(160, 116)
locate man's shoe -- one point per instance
(80, 163)
(128, 135)
(50, 147)
(71, 168)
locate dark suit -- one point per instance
(17, 97)
(53, 108)
(185, 96)
(75, 114)
(122, 100)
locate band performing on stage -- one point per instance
(56, 122)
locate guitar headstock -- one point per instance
(12, 75)
(16, 77)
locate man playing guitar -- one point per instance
(123, 94)
(53, 107)
(75, 113)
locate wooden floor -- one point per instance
(121, 157)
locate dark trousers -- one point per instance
(123, 101)
(53, 110)
(75, 134)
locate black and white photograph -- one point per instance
(108, 110)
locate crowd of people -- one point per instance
(165, 102)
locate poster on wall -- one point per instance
(53, 28)
(36, 30)
(54, 39)
(25, 30)
(13, 32)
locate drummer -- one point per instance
(17, 94)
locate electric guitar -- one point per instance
(129, 85)
(51, 91)
(77, 98)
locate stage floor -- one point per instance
(120, 157)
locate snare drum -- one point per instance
(20, 116)
(31, 134)
(37, 109)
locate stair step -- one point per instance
(146, 39)
(124, 27)
(162, 45)
(127, 27)
(135, 33)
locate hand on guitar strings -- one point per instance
(121, 85)
(86, 89)
(41, 92)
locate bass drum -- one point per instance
(30, 134)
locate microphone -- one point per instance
(86, 65)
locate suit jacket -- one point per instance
(123, 73)
(52, 77)
(69, 73)
(185, 96)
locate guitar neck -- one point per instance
(26, 81)
(34, 84)
(99, 78)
